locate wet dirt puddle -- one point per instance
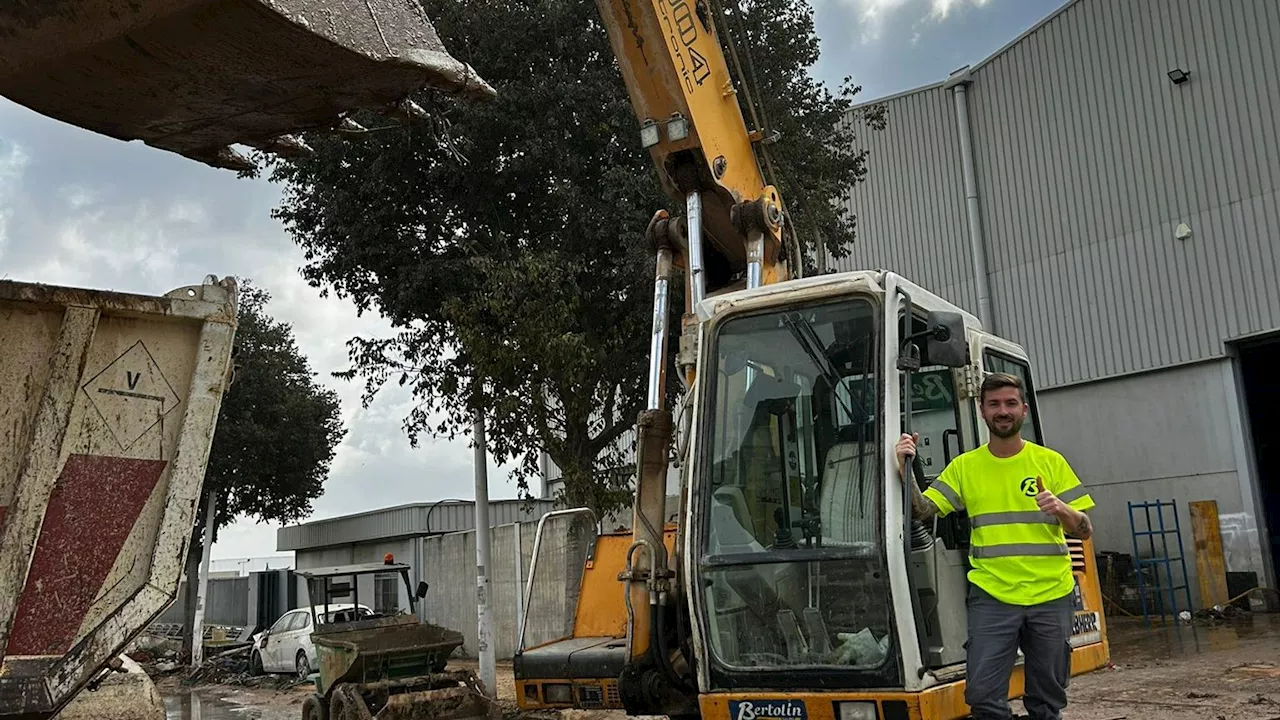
(194, 705)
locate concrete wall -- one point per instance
(1168, 435)
(450, 568)
(448, 564)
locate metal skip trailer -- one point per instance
(108, 404)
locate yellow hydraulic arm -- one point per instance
(693, 126)
(691, 123)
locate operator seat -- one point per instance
(847, 502)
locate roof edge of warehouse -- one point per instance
(970, 69)
(410, 519)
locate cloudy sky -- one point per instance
(84, 210)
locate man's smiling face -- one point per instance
(1004, 411)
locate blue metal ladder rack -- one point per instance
(1156, 561)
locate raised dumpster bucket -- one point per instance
(198, 76)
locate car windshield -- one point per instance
(793, 556)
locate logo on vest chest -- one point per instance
(1029, 487)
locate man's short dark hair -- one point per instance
(995, 381)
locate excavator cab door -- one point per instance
(196, 77)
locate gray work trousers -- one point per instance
(996, 631)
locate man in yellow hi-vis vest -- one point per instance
(1020, 498)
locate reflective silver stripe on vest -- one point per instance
(1011, 518)
(1073, 494)
(949, 494)
(1017, 549)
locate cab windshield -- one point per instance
(793, 551)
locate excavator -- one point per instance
(794, 583)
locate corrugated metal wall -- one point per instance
(404, 521)
(226, 603)
(910, 209)
(1088, 158)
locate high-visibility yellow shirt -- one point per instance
(1018, 554)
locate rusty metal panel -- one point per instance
(108, 403)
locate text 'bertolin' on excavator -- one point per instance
(794, 584)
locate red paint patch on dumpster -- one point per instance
(94, 506)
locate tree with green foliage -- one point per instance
(504, 241)
(276, 435)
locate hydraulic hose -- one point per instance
(659, 626)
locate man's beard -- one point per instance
(1015, 427)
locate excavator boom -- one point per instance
(196, 77)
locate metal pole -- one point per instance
(977, 242)
(484, 639)
(202, 584)
(755, 259)
(519, 559)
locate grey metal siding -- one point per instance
(910, 208)
(405, 520)
(226, 603)
(1087, 159)
(1165, 435)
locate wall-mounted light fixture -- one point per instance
(1179, 76)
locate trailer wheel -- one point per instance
(313, 708)
(345, 703)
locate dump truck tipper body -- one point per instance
(108, 404)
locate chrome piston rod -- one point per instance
(694, 218)
(658, 343)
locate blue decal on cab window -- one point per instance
(767, 710)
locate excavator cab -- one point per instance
(197, 77)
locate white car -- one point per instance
(286, 646)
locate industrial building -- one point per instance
(1104, 191)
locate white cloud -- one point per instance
(12, 162)
(874, 16)
(942, 8)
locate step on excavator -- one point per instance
(793, 584)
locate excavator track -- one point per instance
(196, 77)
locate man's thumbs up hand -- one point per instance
(1048, 502)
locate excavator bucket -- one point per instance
(197, 76)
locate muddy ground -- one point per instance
(1226, 672)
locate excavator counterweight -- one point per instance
(196, 77)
